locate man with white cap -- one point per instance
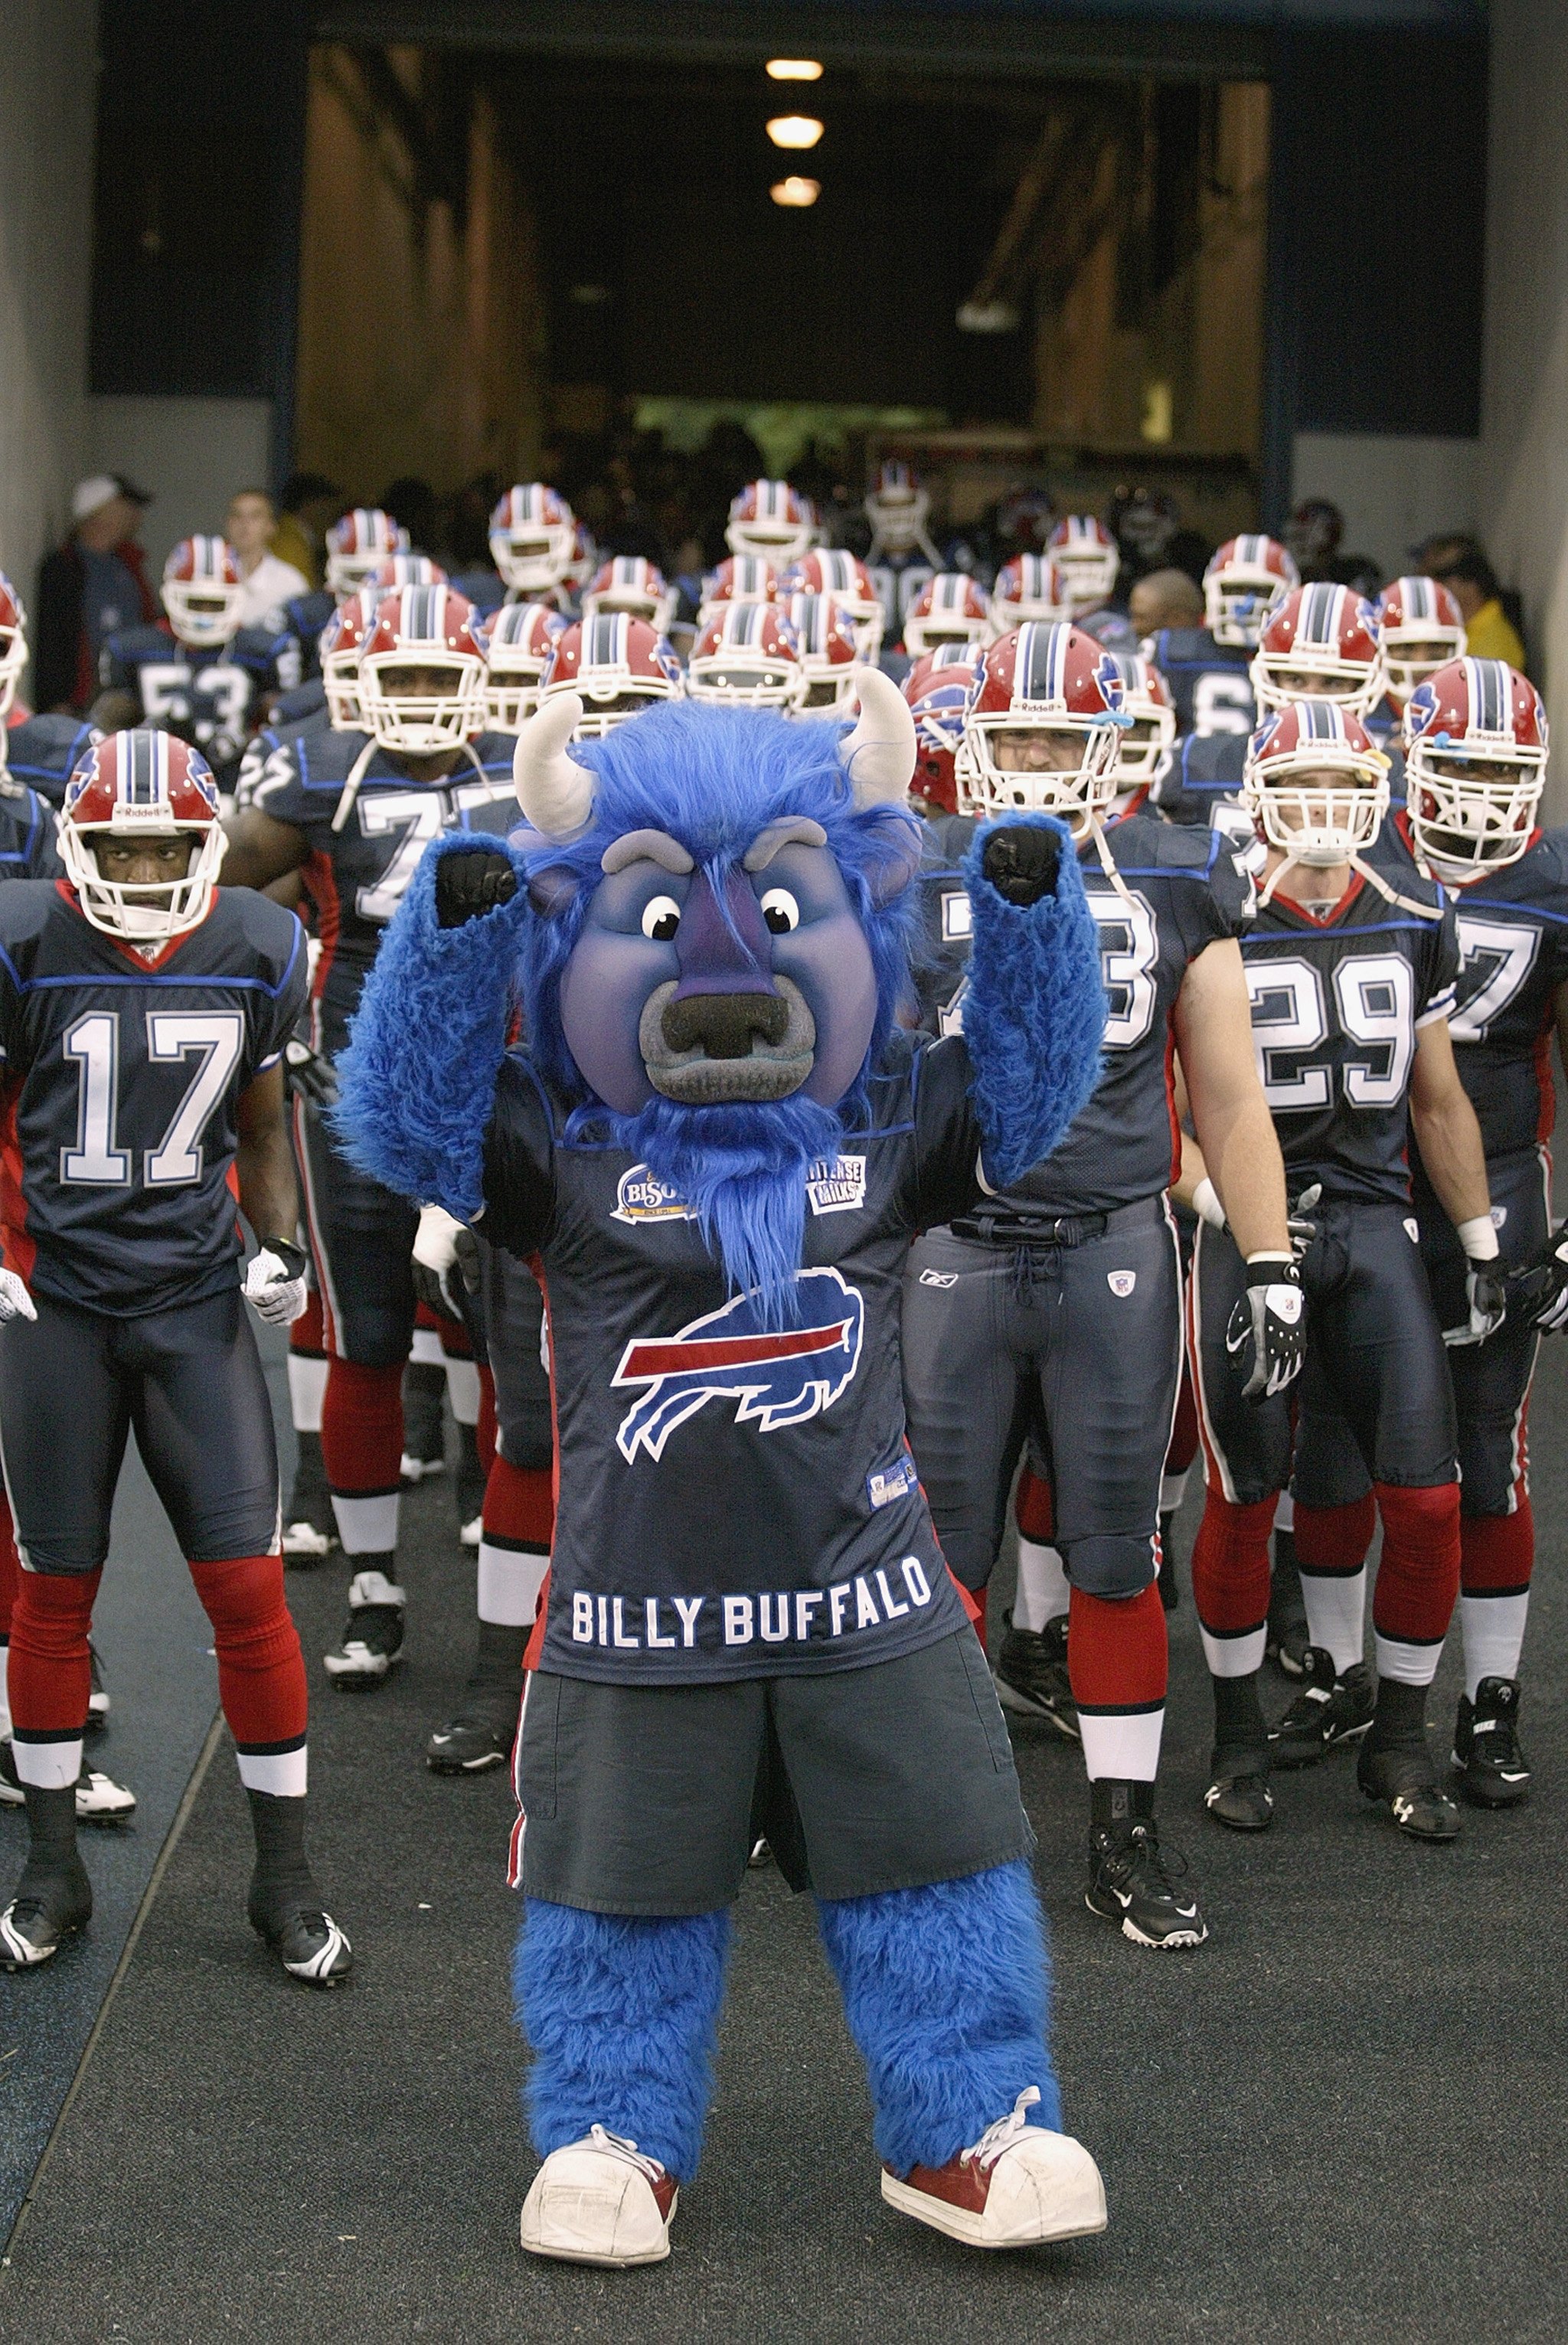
(88, 588)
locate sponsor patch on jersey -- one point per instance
(779, 1375)
(957, 917)
(891, 1483)
(1121, 1283)
(839, 1187)
(943, 1278)
(642, 1196)
(1412, 1229)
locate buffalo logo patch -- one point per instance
(778, 1376)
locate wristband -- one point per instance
(1478, 1238)
(1205, 1204)
(1269, 1255)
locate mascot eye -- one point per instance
(661, 918)
(780, 911)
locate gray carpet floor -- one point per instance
(1342, 2120)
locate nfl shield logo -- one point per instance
(1121, 1283)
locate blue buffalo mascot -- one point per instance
(717, 1145)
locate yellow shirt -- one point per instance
(1488, 635)
(291, 545)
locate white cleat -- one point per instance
(600, 2201)
(419, 1470)
(373, 1640)
(304, 1540)
(472, 1532)
(99, 1798)
(1018, 2186)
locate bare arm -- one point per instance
(260, 849)
(1230, 1116)
(1447, 1133)
(264, 1160)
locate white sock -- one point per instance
(1043, 1594)
(425, 1351)
(463, 1391)
(1284, 1513)
(1492, 1628)
(48, 1766)
(1125, 1744)
(367, 1526)
(1234, 1656)
(306, 1391)
(281, 1773)
(510, 1579)
(1336, 1604)
(1173, 1490)
(1411, 1665)
(5, 1699)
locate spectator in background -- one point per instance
(1166, 598)
(250, 526)
(1315, 533)
(1459, 562)
(89, 589)
(306, 510)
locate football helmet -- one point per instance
(1475, 764)
(1312, 820)
(405, 570)
(630, 583)
(617, 667)
(357, 545)
(1145, 520)
(13, 643)
(953, 609)
(898, 509)
(771, 518)
(937, 690)
(1145, 743)
(1314, 531)
(1320, 644)
(824, 637)
(422, 672)
(1420, 628)
(516, 642)
(1246, 578)
(1049, 697)
(533, 538)
(844, 576)
(202, 592)
(1088, 558)
(742, 578)
(584, 556)
(143, 785)
(1030, 586)
(338, 647)
(747, 657)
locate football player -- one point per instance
(1206, 667)
(631, 583)
(824, 635)
(899, 512)
(771, 519)
(953, 609)
(1087, 556)
(747, 657)
(1350, 965)
(516, 643)
(1420, 628)
(1057, 1307)
(1029, 587)
(533, 543)
(36, 753)
(846, 582)
(198, 673)
(143, 1015)
(617, 667)
(351, 812)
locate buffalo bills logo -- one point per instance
(1109, 677)
(1421, 708)
(779, 1375)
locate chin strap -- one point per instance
(1375, 879)
(1107, 861)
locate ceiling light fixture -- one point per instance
(794, 194)
(795, 130)
(794, 69)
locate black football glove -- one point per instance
(1486, 1294)
(1022, 863)
(308, 1075)
(1271, 1317)
(1538, 1289)
(473, 882)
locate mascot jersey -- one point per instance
(736, 1491)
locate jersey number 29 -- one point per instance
(214, 1037)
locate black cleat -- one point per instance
(1287, 1636)
(373, 1640)
(1493, 1770)
(1330, 1708)
(310, 1525)
(1401, 1778)
(301, 1934)
(423, 1425)
(54, 1898)
(468, 1744)
(1170, 1594)
(481, 1734)
(1238, 1793)
(1130, 1881)
(1030, 1674)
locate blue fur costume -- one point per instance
(944, 1986)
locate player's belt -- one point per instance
(1014, 1226)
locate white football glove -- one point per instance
(446, 1262)
(275, 1284)
(15, 1302)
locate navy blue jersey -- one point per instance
(1203, 771)
(213, 699)
(1109, 626)
(1336, 1005)
(27, 836)
(355, 877)
(1187, 890)
(42, 753)
(736, 1494)
(1211, 683)
(1514, 956)
(300, 707)
(305, 615)
(123, 1078)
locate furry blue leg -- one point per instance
(622, 2017)
(945, 1992)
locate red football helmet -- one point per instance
(771, 518)
(1320, 644)
(824, 639)
(533, 538)
(617, 665)
(144, 785)
(13, 642)
(1041, 727)
(747, 657)
(517, 640)
(632, 584)
(422, 672)
(1145, 743)
(742, 578)
(1475, 766)
(1088, 558)
(406, 570)
(357, 545)
(1315, 783)
(897, 508)
(953, 609)
(1030, 586)
(844, 576)
(203, 592)
(338, 647)
(1246, 577)
(1420, 628)
(937, 690)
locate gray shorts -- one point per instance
(647, 1801)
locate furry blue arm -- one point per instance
(1034, 1010)
(417, 1082)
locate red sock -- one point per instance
(1230, 1565)
(1334, 1540)
(1183, 1432)
(1118, 1657)
(307, 1333)
(484, 1431)
(260, 1670)
(362, 1429)
(519, 1506)
(49, 1675)
(1497, 1552)
(1036, 1516)
(10, 1569)
(1418, 1579)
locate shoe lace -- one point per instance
(1142, 1861)
(616, 2144)
(1001, 2136)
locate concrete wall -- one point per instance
(47, 100)
(192, 454)
(1392, 490)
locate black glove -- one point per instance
(309, 1075)
(1538, 1289)
(1486, 1294)
(1271, 1317)
(473, 882)
(1022, 862)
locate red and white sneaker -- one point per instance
(1018, 2185)
(600, 2201)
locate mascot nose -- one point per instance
(726, 993)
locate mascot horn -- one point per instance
(716, 1142)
